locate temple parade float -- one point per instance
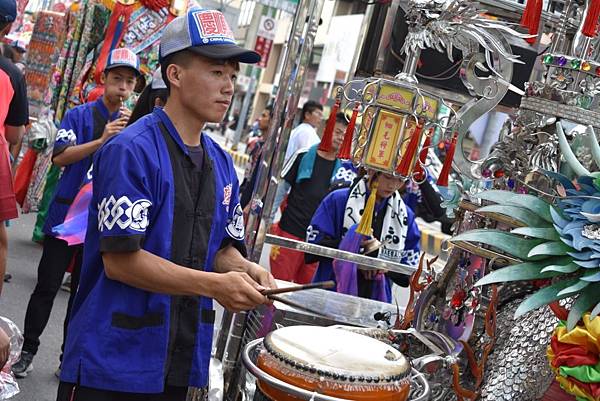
(512, 315)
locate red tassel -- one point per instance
(327, 138)
(419, 170)
(346, 147)
(590, 27)
(442, 180)
(411, 151)
(531, 18)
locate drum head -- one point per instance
(336, 350)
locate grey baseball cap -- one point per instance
(123, 57)
(204, 32)
(157, 80)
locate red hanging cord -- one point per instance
(117, 26)
(411, 152)
(346, 148)
(419, 170)
(327, 138)
(445, 173)
(590, 27)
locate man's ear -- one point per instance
(103, 77)
(174, 75)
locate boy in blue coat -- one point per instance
(165, 234)
(82, 131)
(393, 224)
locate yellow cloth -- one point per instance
(587, 335)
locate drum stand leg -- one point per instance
(233, 370)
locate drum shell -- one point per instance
(268, 364)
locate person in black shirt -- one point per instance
(154, 95)
(309, 172)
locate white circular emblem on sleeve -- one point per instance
(139, 215)
(235, 225)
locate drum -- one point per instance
(333, 362)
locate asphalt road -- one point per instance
(23, 258)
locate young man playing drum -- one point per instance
(165, 235)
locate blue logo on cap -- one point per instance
(209, 27)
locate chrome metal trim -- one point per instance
(366, 262)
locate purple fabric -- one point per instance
(345, 272)
(379, 292)
(75, 225)
(266, 323)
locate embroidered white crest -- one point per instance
(235, 225)
(90, 173)
(139, 215)
(66, 136)
(312, 234)
(344, 174)
(124, 213)
(227, 195)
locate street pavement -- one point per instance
(23, 258)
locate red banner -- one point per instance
(263, 47)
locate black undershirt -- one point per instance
(197, 156)
(305, 196)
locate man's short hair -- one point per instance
(311, 106)
(182, 58)
(269, 108)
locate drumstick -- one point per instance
(296, 305)
(321, 284)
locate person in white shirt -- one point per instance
(302, 137)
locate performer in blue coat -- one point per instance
(393, 224)
(165, 234)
